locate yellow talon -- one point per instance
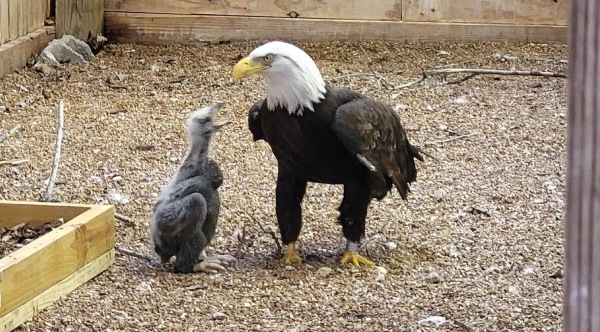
(356, 259)
(291, 256)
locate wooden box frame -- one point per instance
(53, 265)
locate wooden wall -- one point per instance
(190, 21)
(20, 17)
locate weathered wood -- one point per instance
(13, 16)
(32, 269)
(163, 29)
(337, 9)
(4, 22)
(54, 293)
(81, 18)
(582, 252)
(14, 54)
(529, 12)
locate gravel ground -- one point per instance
(480, 241)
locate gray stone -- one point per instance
(67, 49)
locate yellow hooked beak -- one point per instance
(246, 67)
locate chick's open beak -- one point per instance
(246, 67)
(219, 124)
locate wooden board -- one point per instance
(37, 213)
(36, 267)
(14, 54)
(13, 16)
(4, 22)
(81, 18)
(155, 29)
(340, 9)
(527, 12)
(54, 293)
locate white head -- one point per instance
(293, 80)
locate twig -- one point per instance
(4, 137)
(123, 218)
(14, 162)
(134, 254)
(270, 232)
(380, 78)
(47, 196)
(463, 326)
(480, 71)
(450, 139)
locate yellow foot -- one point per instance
(356, 259)
(291, 256)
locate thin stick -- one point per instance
(123, 218)
(4, 137)
(14, 162)
(450, 139)
(279, 249)
(134, 254)
(47, 197)
(480, 71)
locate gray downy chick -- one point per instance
(184, 218)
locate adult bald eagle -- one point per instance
(324, 134)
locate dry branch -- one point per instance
(270, 232)
(11, 132)
(47, 196)
(450, 139)
(134, 254)
(472, 72)
(123, 218)
(13, 162)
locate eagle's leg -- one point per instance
(353, 212)
(288, 204)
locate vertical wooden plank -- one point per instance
(13, 19)
(582, 252)
(80, 18)
(4, 23)
(23, 17)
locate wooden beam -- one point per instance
(54, 293)
(82, 19)
(4, 22)
(336, 9)
(36, 214)
(538, 12)
(47, 260)
(14, 54)
(164, 29)
(13, 19)
(582, 252)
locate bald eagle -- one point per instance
(324, 134)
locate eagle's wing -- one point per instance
(254, 120)
(372, 131)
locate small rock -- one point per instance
(152, 93)
(461, 100)
(439, 195)
(381, 272)
(557, 275)
(46, 94)
(219, 316)
(391, 246)
(117, 178)
(442, 54)
(433, 320)
(324, 271)
(290, 268)
(513, 290)
(43, 68)
(433, 278)
(380, 277)
(3, 108)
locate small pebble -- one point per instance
(324, 271)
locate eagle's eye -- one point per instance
(268, 58)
